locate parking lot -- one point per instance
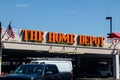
(96, 79)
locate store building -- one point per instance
(82, 50)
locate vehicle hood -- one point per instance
(21, 76)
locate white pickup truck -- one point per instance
(63, 66)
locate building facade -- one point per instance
(85, 51)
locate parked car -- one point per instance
(37, 72)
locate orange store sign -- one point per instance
(62, 38)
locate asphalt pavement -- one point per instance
(95, 79)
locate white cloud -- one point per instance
(22, 5)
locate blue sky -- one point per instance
(87, 17)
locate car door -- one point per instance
(52, 73)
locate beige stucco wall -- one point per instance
(17, 43)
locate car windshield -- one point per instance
(29, 69)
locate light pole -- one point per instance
(0, 49)
(116, 56)
(110, 18)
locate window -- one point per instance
(53, 69)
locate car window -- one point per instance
(53, 69)
(29, 69)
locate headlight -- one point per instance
(32, 78)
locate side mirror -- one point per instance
(48, 72)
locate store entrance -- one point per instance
(95, 65)
(89, 63)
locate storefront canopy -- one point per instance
(114, 35)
